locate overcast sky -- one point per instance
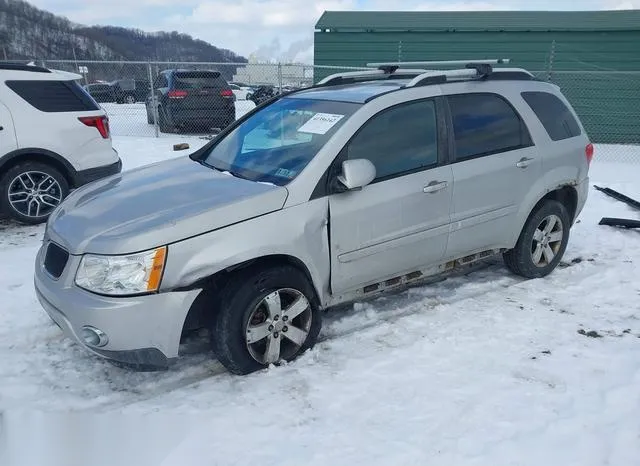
(271, 29)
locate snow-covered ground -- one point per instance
(479, 369)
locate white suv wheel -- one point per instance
(31, 191)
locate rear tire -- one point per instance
(542, 242)
(265, 316)
(30, 191)
(163, 124)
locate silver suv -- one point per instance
(364, 183)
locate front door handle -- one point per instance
(524, 162)
(434, 187)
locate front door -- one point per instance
(398, 223)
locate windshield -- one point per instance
(275, 144)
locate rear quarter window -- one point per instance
(54, 96)
(554, 115)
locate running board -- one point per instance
(422, 274)
(620, 222)
(619, 196)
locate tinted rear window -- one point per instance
(485, 124)
(54, 96)
(198, 80)
(554, 115)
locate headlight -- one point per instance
(122, 275)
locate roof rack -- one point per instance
(473, 70)
(430, 64)
(23, 67)
(384, 72)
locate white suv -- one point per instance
(53, 138)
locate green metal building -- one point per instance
(593, 55)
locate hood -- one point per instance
(155, 205)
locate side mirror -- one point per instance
(357, 173)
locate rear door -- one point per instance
(202, 90)
(399, 223)
(8, 141)
(495, 164)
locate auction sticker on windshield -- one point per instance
(320, 123)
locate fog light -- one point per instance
(93, 336)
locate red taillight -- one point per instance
(177, 94)
(101, 123)
(226, 93)
(588, 151)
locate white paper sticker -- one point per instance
(320, 123)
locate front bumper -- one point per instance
(142, 331)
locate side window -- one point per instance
(554, 115)
(398, 140)
(485, 124)
(54, 96)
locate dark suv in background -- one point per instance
(101, 92)
(191, 98)
(130, 91)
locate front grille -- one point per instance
(55, 260)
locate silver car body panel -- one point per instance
(345, 242)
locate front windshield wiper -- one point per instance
(237, 175)
(221, 170)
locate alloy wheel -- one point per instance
(278, 326)
(547, 240)
(34, 194)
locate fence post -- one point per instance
(154, 105)
(551, 58)
(279, 77)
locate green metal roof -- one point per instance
(426, 21)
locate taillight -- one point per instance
(226, 93)
(177, 94)
(101, 123)
(588, 151)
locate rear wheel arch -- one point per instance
(566, 195)
(58, 162)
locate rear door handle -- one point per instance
(434, 187)
(524, 162)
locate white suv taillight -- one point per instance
(101, 123)
(588, 152)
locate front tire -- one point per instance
(542, 242)
(265, 316)
(30, 191)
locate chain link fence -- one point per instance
(155, 99)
